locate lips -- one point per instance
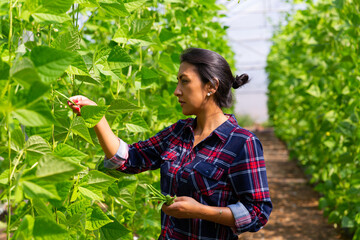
(181, 102)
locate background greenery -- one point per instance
(314, 102)
(122, 54)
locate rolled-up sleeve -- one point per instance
(119, 158)
(248, 177)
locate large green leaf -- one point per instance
(53, 168)
(63, 190)
(122, 105)
(24, 72)
(37, 90)
(93, 114)
(93, 194)
(4, 70)
(115, 9)
(69, 40)
(96, 218)
(37, 146)
(68, 152)
(78, 207)
(58, 6)
(97, 180)
(120, 56)
(78, 126)
(48, 18)
(78, 67)
(137, 124)
(33, 190)
(41, 208)
(17, 139)
(51, 63)
(25, 229)
(47, 229)
(132, 5)
(36, 115)
(115, 231)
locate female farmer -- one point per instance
(215, 167)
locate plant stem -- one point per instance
(10, 30)
(9, 181)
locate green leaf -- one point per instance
(128, 182)
(4, 70)
(48, 18)
(127, 199)
(63, 190)
(97, 180)
(51, 63)
(78, 207)
(37, 115)
(140, 27)
(68, 152)
(33, 190)
(115, 9)
(4, 177)
(37, 90)
(25, 229)
(134, 4)
(37, 146)
(122, 105)
(331, 116)
(314, 90)
(115, 231)
(58, 6)
(93, 194)
(96, 218)
(347, 222)
(17, 139)
(46, 229)
(24, 72)
(69, 40)
(53, 168)
(78, 126)
(78, 66)
(137, 124)
(41, 208)
(120, 56)
(93, 114)
(89, 79)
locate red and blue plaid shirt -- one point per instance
(226, 169)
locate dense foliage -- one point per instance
(124, 55)
(314, 101)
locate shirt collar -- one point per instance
(222, 131)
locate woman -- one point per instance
(214, 167)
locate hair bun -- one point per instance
(240, 80)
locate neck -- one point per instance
(209, 120)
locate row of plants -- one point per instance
(124, 55)
(314, 102)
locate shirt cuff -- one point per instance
(241, 215)
(119, 158)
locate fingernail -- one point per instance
(75, 101)
(68, 102)
(78, 109)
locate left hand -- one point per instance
(183, 207)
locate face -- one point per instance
(190, 90)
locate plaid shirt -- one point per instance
(226, 169)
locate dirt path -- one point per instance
(296, 215)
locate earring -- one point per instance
(208, 94)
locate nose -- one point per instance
(177, 91)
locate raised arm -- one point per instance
(108, 140)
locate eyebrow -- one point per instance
(182, 75)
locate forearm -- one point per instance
(222, 215)
(108, 140)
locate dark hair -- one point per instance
(212, 66)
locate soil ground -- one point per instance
(295, 215)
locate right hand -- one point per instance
(80, 102)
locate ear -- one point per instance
(214, 85)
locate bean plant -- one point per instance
(124, 55)
(314, 102)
